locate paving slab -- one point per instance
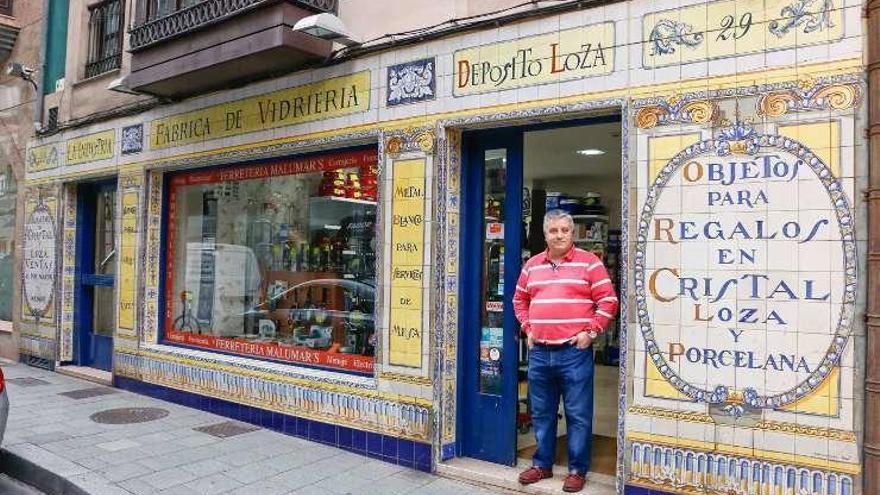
(166, 456)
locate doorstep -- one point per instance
(84, 372)
(489, 474)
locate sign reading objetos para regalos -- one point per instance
(38, 270)
(745, 271)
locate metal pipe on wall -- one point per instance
(872, 314)
(41, 74)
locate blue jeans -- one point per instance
(567, 371)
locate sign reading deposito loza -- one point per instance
(320, 100)
(570, 54)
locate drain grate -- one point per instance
(128, 415)
(226, 429)
(27, 381)
(85, 393)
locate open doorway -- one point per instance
(577, 169)
(511, 177)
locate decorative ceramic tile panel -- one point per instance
(309, 399)
(728, 28)
(745, 281)
(132, 139)
(68, 272)
(150, 261)
(411, 82)
(40, 254)
(660, 467)
(131, 189)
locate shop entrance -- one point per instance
(511, 178)
(95, 279)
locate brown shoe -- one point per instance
(534, 474)
(574, 482)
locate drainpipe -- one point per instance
(872, 314)
(41, 73)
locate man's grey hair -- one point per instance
(553, 215)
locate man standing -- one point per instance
(564, 300)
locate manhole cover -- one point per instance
(27, 381)
(85, 393)
(226, 429)
(128, 415)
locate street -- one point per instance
(10, 486)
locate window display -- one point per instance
(276, 260)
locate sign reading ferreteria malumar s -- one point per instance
(325, 99)
(570, 54)
(745, 261)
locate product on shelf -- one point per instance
(353, 186)
(333, 184)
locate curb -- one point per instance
(38, 477)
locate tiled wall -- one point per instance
(738, 374)
(682, 73)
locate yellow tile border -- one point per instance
(403, 378)
(695, 417)
(759, 454)
(675, 87)
(656, 412)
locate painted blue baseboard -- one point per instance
(416, 455)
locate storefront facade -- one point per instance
(299, 253)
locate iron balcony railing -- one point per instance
(204, 14)
(103, 65)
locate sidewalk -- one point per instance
(171, 456)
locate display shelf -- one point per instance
(337, 199)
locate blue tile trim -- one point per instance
(638, 490)
(448, 451)
(387, 448)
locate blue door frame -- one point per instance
(90, 349)
(487, 422)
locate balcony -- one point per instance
(215, 44)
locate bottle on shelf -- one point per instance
(500, 286)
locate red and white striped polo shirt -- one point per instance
(556, 302)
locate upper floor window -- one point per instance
(105, 37)
(161, 8)
(6, 7)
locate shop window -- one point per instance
(276, 260)
(7, 241)
(105, 37)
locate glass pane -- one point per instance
(492, 321)
(104, 314)
(7, 241)
(105, 247)
(281, 266)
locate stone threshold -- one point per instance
(84, 372)
(497, 476)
